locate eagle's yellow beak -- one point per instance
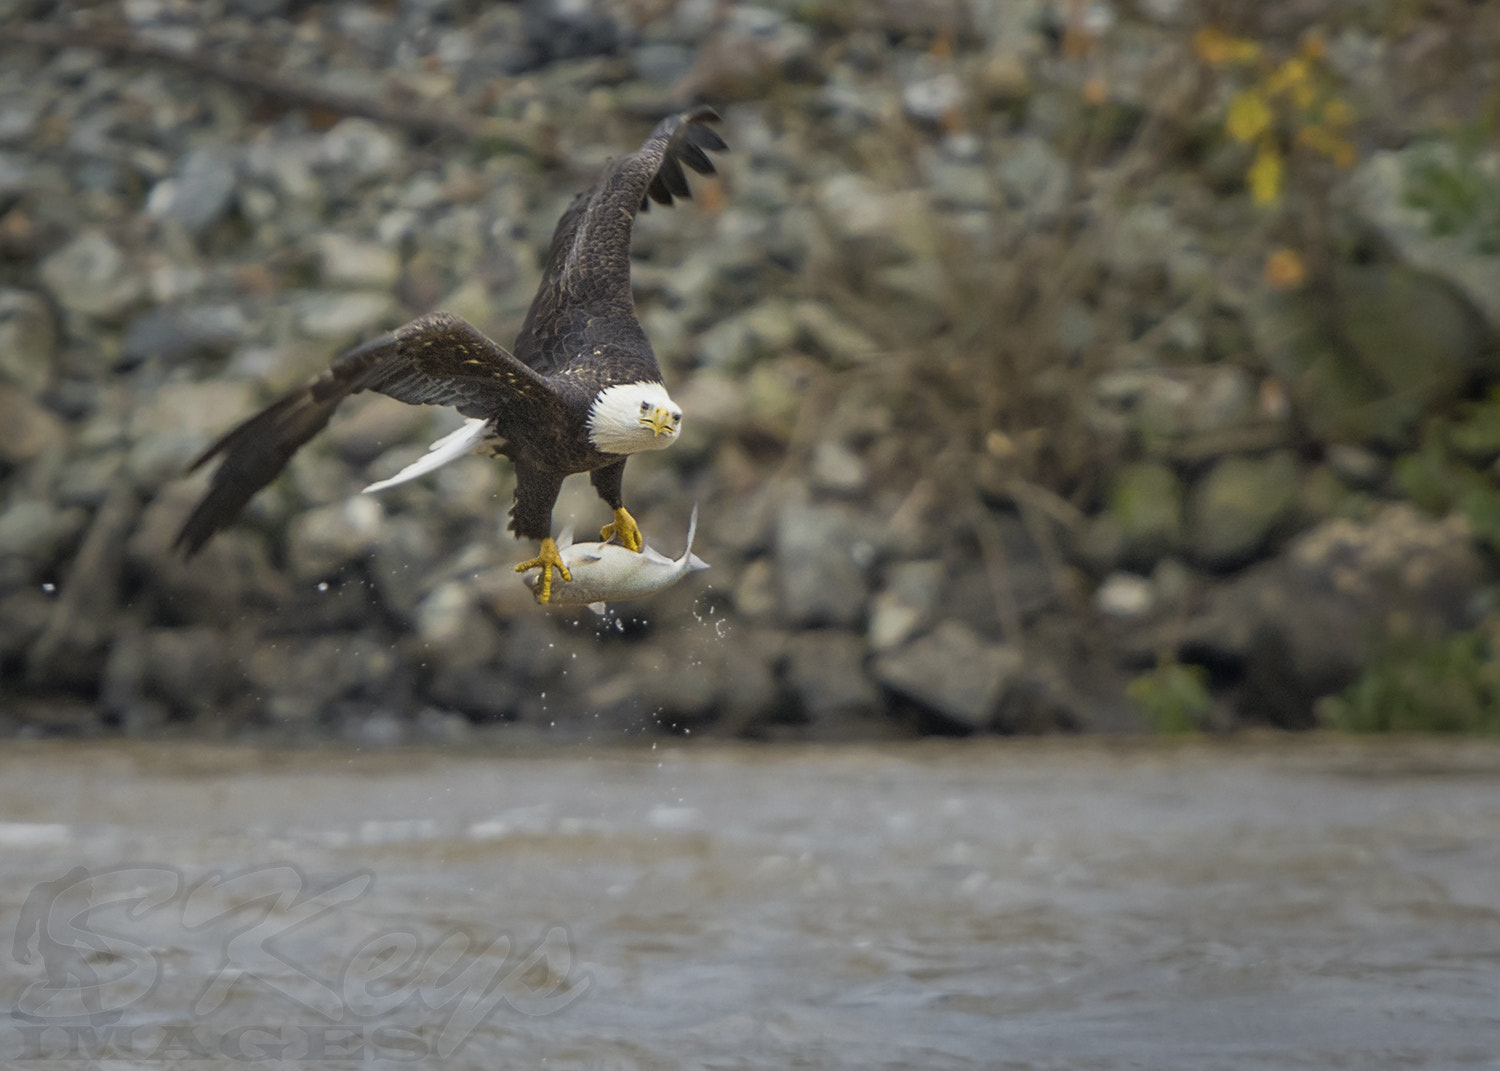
(659, 420)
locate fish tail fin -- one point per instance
(449, 448)
(694, 562)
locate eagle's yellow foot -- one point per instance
(548, 559)
(625, 529)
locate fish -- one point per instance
(608, 572)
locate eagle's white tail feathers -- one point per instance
(449, 448)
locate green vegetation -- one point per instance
(1445, 685)
(1449, 182)
(1454, 468)
(1173, 697)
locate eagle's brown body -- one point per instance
(580, 337)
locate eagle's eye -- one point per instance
(676, 417)
(645, 407)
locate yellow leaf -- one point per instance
(1242, 50)
(1317, 138)
(1249, 116)
(1291, 74)
(1216, 48)
(1337, 112)
(1264, 176)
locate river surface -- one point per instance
(1039, 904)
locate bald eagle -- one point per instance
(581, 393)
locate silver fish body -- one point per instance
(607, 572)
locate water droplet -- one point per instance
(49, 587)
(322, 585)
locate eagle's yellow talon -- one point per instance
(548, 559)
(625, 529)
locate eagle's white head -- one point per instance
(631, 417)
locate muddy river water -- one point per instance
(1040, 904)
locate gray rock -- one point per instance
(1360, 384)
(912, 593)
(751, 696)
(92, 277)
(1379, 189)
(231, 572)
(755, 592)
(880, 227)
(35, 530)
(343, 316)
(1146, 502)
(177, 420)
(299, 678)
(952, 672)
(485, 693)
(26, 427)
(362, 147)
(354, 263)
(1032, 176)
(28, 340)
(831, 337)
(821, 557)
(173, 335)
(838, 469)
(453, 627)
(70, 652)
(200, 193)
(1303, 625)
(933, 101)
(685, 680)
(1390, 313)
(1238, 505)
(402, 563)
(735, 342)
(322, 541)
(826, 672)
(191, 669)
(1125, 596)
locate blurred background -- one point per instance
(1122, 367)
(1046, 365)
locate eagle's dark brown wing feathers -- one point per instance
(588, 263)
(689, 150)
(436, 360)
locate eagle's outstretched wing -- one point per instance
(435, 360)
(588, 264)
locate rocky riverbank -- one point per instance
(1002, 390)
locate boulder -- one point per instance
(952, 672)
(28, 340)
(1302, 625)
(1238, 505)
(1146, 502)
(826, 672)
(821, 558)
(93, 277)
